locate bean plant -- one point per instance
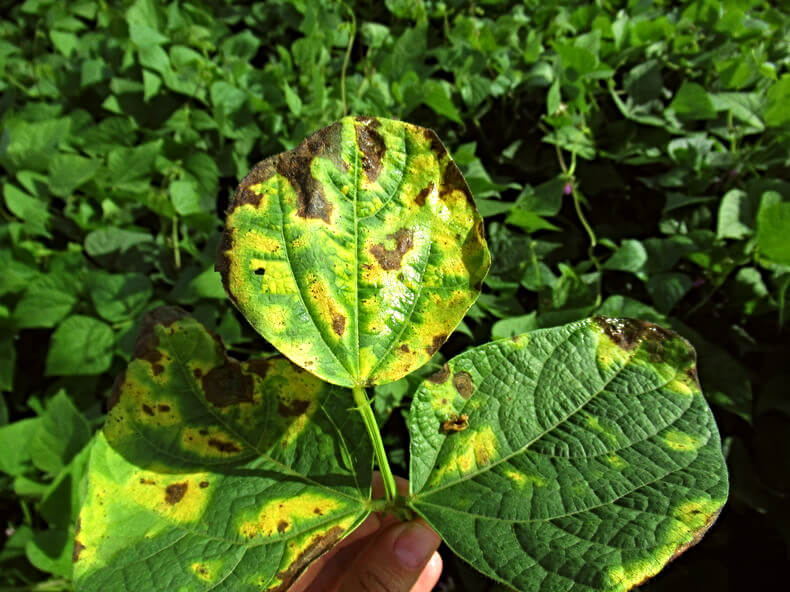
(576, 458)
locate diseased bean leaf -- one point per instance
(217, 474)
(358, 252)
(579, 458)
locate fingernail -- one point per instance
(415, 545)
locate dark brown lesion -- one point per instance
(462, 382)
(292, 408)
(371, 144)
(227, 385)
(338, 323)
(405, 349)
(318, 545)
(440, 376)
(223, 446)
(295, 166)
(175, 493)
(78, 548)
(628, 334)
(390, 259)
(453, 180)
(147, 409)
(457, 423)
(436, 343)
(203, 484)
(424, 193)
(282, 526)
(436, 145)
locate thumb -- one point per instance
(394, 560)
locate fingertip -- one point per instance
(430, 575)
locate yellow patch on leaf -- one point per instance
(278, 516)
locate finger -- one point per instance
(371, 524)
(430, 575)
(393, 560)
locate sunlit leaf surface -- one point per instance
(215, 474)
(580, 458)
(356, 253)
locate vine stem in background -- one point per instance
(363, 404)
(176, 248)
(346, 59)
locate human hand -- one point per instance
(382, 555)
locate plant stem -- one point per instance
(361, 400)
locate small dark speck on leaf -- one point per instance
(147, 409)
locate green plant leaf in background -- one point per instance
(358, 252)
(579, 458)
(217, 474)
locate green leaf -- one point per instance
(576, 458)
(773, 231)
(436, 94)
(356, 253)
(61, 433)
(777, 99)
(514, 326)
(7, 364)
(15, 443)
(32, 212)
(47, 301)
(120, 297)
(630, 256)
(80, 345)
(69, 171)
(667, 289)
(51, 550)
(736, 215)
(217, 474)
(109, 240)
(693, 102)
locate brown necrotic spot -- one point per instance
(318, 545)
(436, 144)
(424, 193)
(294, 165)
(163, 408)
(462, 382)
(147, 409)
(282, 526)
(175, 493)
(115, 393)
(292, 408)
(390, 259)
(405, 349)
(197, 372)
(203, 484)
(78, 547)
(227, 385)
(457, 423)
(338, 323)
(318, 511)
(453, 180)
(629, 333)
(692, 374)
(223, 446)
(259, 367)
(436, 343)
(372, 146)
(440, 376)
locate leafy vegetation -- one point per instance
(629, 159)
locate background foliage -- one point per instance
(630, 158)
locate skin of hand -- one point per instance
(382, 555)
